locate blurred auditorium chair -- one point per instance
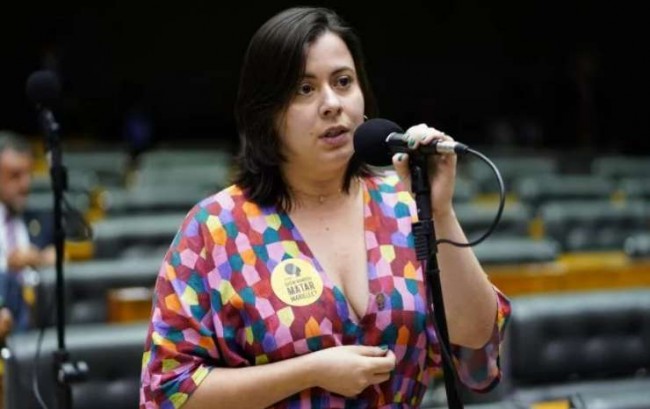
(593, 225)
(44, 201)
(82, 191)
(152, 199)
(635, 188)
(537, 190)
(589, 346)
(621, 166)
(113, 354)
(78, 182)
(212, 177)
(90, 289)
(475, 218)
(164, 158)
(135, 236)
(516, 250)
(511, 168)
(638, 246)
(109, 167)
(605, 400)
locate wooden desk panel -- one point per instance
(572, 272)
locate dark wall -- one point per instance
(531, 73)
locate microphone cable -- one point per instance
(502, 202)
(35, 365)
(444, 351)
(79, 229)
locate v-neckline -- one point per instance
(307, 251)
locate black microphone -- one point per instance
(377, 140)
(44, 89)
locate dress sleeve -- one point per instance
(478, 369)
(180, 347)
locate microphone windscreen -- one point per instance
(370, 141)
(43, 88)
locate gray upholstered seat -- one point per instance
(113, 354)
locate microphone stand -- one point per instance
(426, 251)
(65, 371)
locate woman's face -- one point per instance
(317, 128)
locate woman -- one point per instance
(298, 286)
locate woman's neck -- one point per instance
(307, 190)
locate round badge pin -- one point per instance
(296, 282)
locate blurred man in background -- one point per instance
(17, 254)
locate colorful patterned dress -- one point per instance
(240, 287)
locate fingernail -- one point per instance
(400, 157)
(384, 347)
(411, 143)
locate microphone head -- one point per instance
(43, 88)
(370, 141)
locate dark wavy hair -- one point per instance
(273, 66)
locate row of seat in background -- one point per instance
(583, 350)
(524, 234)
(588, 350)
(142, 216)
(134, 213)
(558, 227)
(555, 318)
(129, 252)
(103, 186)
(531, 179)
(536, 178)
(108, 183)
(570, 202)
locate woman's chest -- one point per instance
(279, 303)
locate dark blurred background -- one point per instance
(523, 73)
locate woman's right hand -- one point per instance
(348, 370)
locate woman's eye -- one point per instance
(305, 89)
(344, 81)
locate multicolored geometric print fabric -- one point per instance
(240, 287)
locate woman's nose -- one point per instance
(331, 104)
